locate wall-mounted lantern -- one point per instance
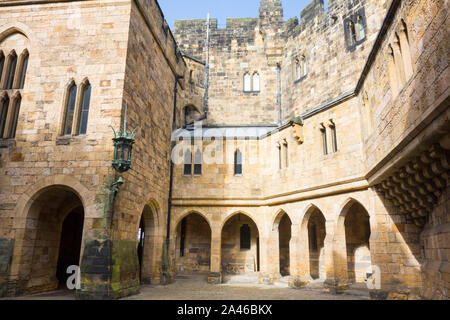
(123, 149)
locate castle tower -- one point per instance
(271, 14)
(270, 26)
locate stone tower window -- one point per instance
(70, 109)
(15, 117)
(286, 154)
(280, 160)
(198, 163)
(245, 237)
(11, 70)
(84, 110)
(247, 82)
(355, 29)
(188, 163)
(361, 29)
(256, 82)
(23, 68)
(323, 131)
(237, 163)
(298, 70)
(334, 137)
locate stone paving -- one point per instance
(196, 288)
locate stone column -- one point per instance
(335, 258)
(215, 277)
(300, 273)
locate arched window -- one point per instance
(237, 162)
(84, 110)
(245, 237)
(286, 154)
(405, 49)
(188, 163)
(304, 67)
(323, 131)
(70, 109)
(15, 117)
(198, 163)
(3, 114)
(256, 82)
(334, 137)
(2, 63)
(280, 163)
(361, 29)
(190, 76)
(23, 69)
(11, 70)
(247, 82)
(298, 71)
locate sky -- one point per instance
(222, 9)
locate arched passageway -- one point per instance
(52, 239)
(147, 246)
(193, 245)
(357, 235)
(240, 246)
(316, 244)
(283, 226)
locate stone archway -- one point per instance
(282, 228)
(240, 247)
(193, 244)
(148, 246)
(353, 257)
(51, 239)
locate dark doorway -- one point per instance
(140, 248)
(70, 245)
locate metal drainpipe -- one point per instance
(173, 144)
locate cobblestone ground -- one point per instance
(196, 288)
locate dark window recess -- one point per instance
(245, 237)
(334, 139)
(3, 115)
(11, 72)
(238, 162)
(23, 72)
(182, 237)
(70, 110)
(324, 140)
(355, 29)
(198, 163)
(188, 163)
(85, 108)
(15, 118)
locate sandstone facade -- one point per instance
(350, 184)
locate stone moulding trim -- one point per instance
(357, 184)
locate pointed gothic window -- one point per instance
(23, 71)
(70, 109)
(3, 115)
(15, 118)
(84, 110)
(237, 163)
(188, 163)
(323, 131)
(256, 82)
(247, 82)
(11, 70)
(198, 163)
